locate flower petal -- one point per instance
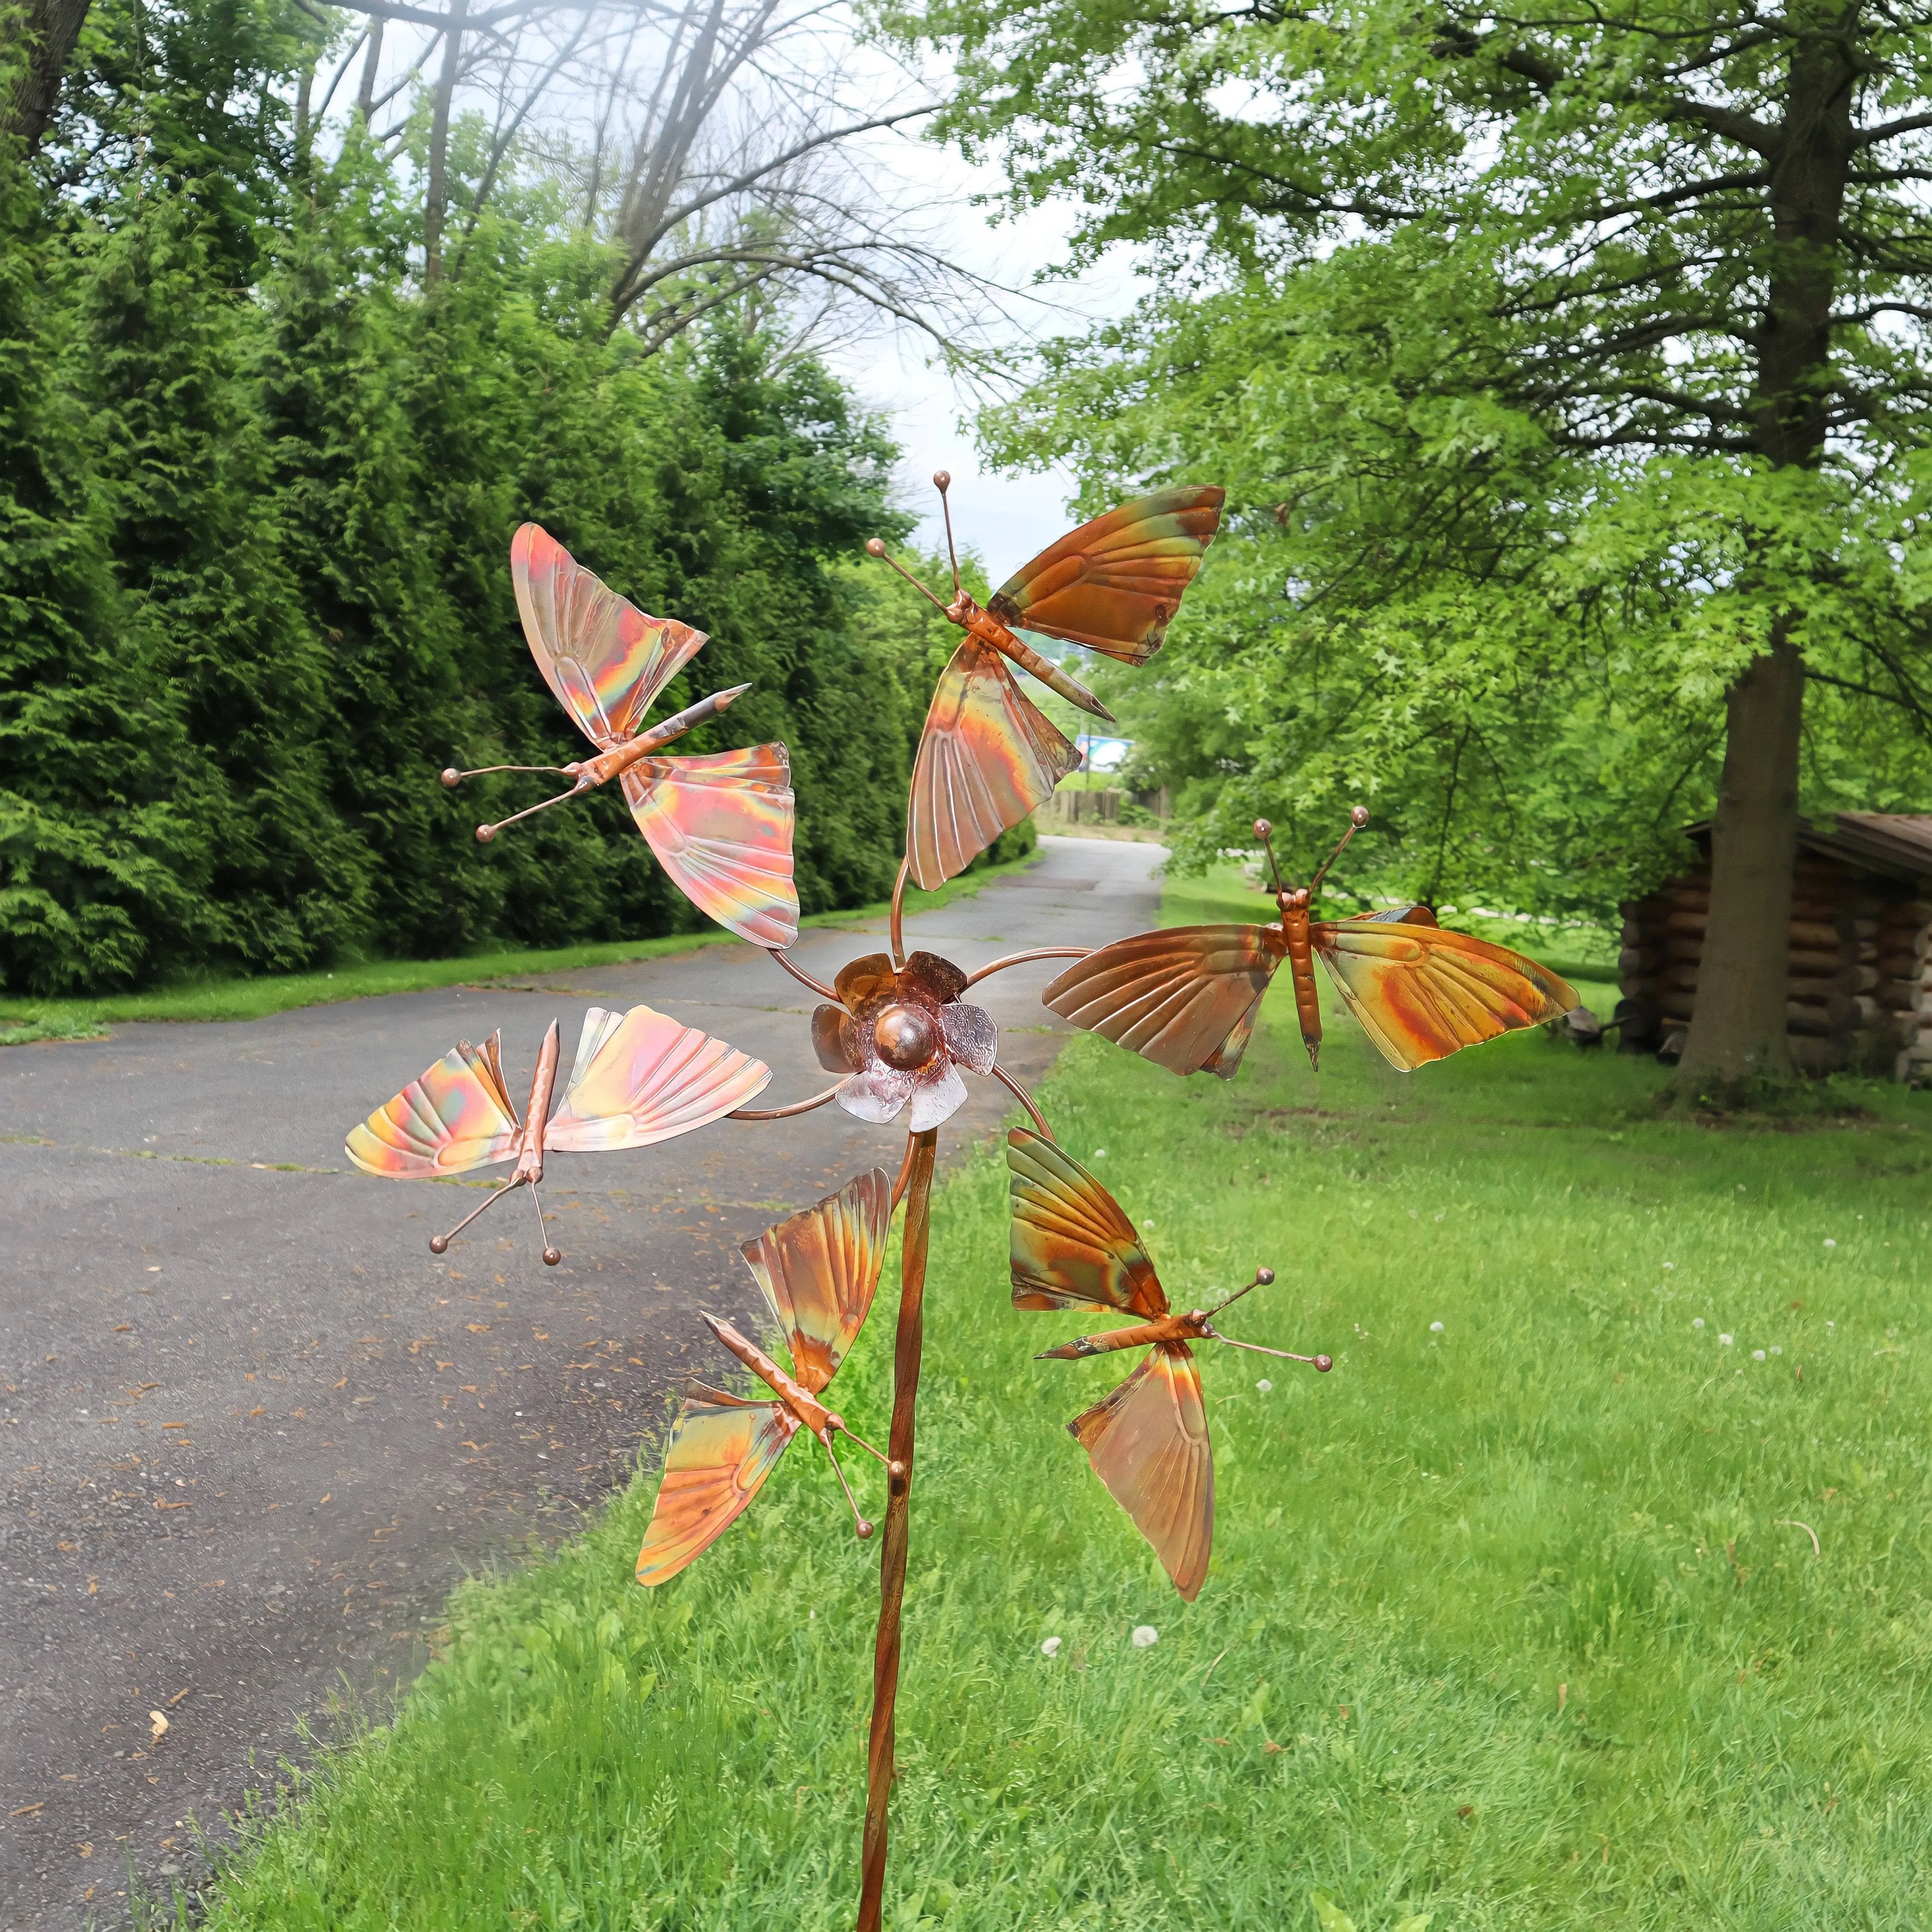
(878, 1094)
(859, 979)
(940, 1094)
(939, 979)
(828, 1039)
(971, 1035)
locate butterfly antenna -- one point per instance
(1358, 818)
(1262, 830)
(551, 1256)
(858, 1523)
(1264, 1277)
(440, 1244)
(485, 833)
(942, 482)
(892, 1468)
(1321, 1364)
(452, 777)
(875, 548)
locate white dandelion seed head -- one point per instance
(1757, 1355)
(1265, 1386)
(1696, 1321)
(1830, 1325)
(1829, 1243)
(1099, 1153)
(1776, 1350)
(1670, 1264)
(1435, 1327)
(1143, 1635)
(1050, 1647)
(1725, 1341)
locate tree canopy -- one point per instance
(1570, 370)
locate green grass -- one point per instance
(24, 1020)
(1508, 1622)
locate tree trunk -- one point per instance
(372, 62)
(53, 26)
(1738, 1034)
(437, 187)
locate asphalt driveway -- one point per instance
(251, 1429)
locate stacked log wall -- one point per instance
(1858, 992)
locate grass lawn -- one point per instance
(1511, 1620)
(24, 1020)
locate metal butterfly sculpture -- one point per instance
(819, 1271)
(1186, 998)
(1073, 1247)
(988, 756)
(721, 824)
(638, 1078)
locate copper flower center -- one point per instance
(905, 1036)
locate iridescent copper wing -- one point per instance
(604, 658)
(987, 758)
(721, 825)
(1072, 1245)
(720, 1454)
(1420, 993)
(1148, 1441)
(456, 1116)
(819, 1271)
(645, 1078)
(1185, 998)
(1114, 584)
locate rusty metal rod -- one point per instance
(786, 1113)
(898, 913)
(906, 1350)
(1025, 1100)
(1020, 958)
(799, 974)
(905, 1171)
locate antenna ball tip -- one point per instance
(1262, 828)
(439, 1244)
(552, 1256)
(1264, 1276)
(942, 481)
(875, 547)
(1359, 817)
(864, 1529)
(896, 1468)
(1323, 1363)
(485, 833)
(451, 777)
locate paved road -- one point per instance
(251, 1430)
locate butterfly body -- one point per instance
(988, 756)
(720, 824)
(1147, 1440)
(811, 1413)
(1187, 997)
(536, 1116)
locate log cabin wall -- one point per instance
(1859, 993)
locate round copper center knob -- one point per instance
(906, 1037)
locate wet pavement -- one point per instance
(251, 1429)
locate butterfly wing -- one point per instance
(718, 1459)
(1148, 1441)
(603, 658)
(1114, 584)
(647, 1079)
(456, 1116)
(819, 1271)
(721, 827)
(987, 758)
(1071, 1246)
(1420, 993)
(1184, 998)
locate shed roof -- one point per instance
(1898, 844)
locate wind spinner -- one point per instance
(1073, 1247)
(819, 1271)
(721, 824)
(1185, 997)
(637, 1079)
(988, 756)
